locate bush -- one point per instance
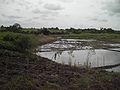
(9, 37)
(18, 42)
(23, 43)
(45, 31)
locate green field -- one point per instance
(102, 36)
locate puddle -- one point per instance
(65, 52)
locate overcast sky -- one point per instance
(61, 13)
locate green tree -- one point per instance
(45, 31)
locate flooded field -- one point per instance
(73, 52)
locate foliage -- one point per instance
(45, 31)
(14, 28)
(16, 41)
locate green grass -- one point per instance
(102, 36)
(17, 41)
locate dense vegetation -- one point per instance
(17, 41)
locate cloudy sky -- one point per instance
(61, 13)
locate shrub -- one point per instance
(9, 37)
(23, 43)
(18, 42)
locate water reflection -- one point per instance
(73, 53)
(89, 55)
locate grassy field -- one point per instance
(101, 36)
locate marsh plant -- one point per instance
(90, 53)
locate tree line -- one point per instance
(53, 31)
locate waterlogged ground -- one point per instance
(82, 52)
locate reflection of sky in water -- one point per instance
(95, 57)
(99, 58)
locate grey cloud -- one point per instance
(35, 17)
(13, 1)
(29, 4)
(7, 22)
(53, 7)
(41, 18)
(6, 1)
(44, 13)
(113, 7)
(66, 1)
(36, 11)
(24, 3)
(40, 2)
(17, 10)
(99, 20)
(48, 19)
(11, 16)
(21, 4)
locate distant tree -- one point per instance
(45, 31)
(110, 30)
(106, 30)
(16, 26)
(57, 28)
(101, 29)
(2, 27)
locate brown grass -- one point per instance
(45, 39)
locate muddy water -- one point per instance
(71, 52)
